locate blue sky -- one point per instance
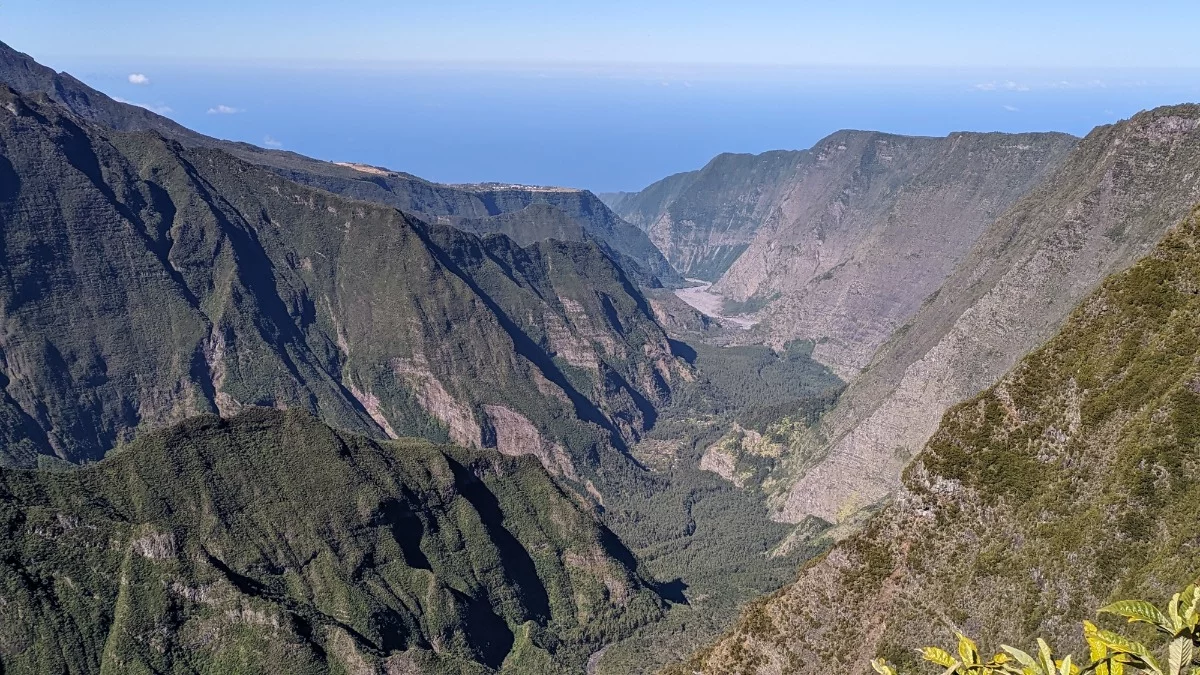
(1050, 33)
(611, 95)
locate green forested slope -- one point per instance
(146, 281)
(269, 543)
(1074, 480)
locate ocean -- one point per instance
(606, 128)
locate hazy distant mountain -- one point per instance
(147, 281)
(703, 220)
(1070, 483)
(431, 201)
(841, 243)
(527, 214)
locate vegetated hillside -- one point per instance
(687, 523)
(1073, 481)
(430, 201)
(147, 281)
(1107, 205)
(269, 543)
(526, 213)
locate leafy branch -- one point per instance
(1109, 653)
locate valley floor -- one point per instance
(711, 304)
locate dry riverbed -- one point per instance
(710, 304)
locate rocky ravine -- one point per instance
(1106, 206)
(710, 304)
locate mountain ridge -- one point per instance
(839, 244)
(424, 199)
(266, 292)
(1107, 205)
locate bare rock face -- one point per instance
(871, 225)
(841, 243)
(435, 400)
(516, 436)
(1108, 204)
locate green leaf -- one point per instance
(1097, 650)
(1140, 610)
(1179, 655)
(1023, 658)
(1173, 610)
(1124, 645)
(968, 651)
(1191, 607)
(1046, 657)
(882, 667)
(939, 657)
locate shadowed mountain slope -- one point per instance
(269, 543)
(147, 281)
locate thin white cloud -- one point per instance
(1088, 84)
(1012, 108)
(224, 110)
(272, 143)
(160, 109)
(138, 78)
(1007, 85)
(1012, 86)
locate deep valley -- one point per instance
(786, 413)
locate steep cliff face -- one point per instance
(841, 243)
(1106, 206)
(270, 543)
(703, 220)
(148, 281)
(871, 225)
(526, 213)
(1071, 482)
(577, 212)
